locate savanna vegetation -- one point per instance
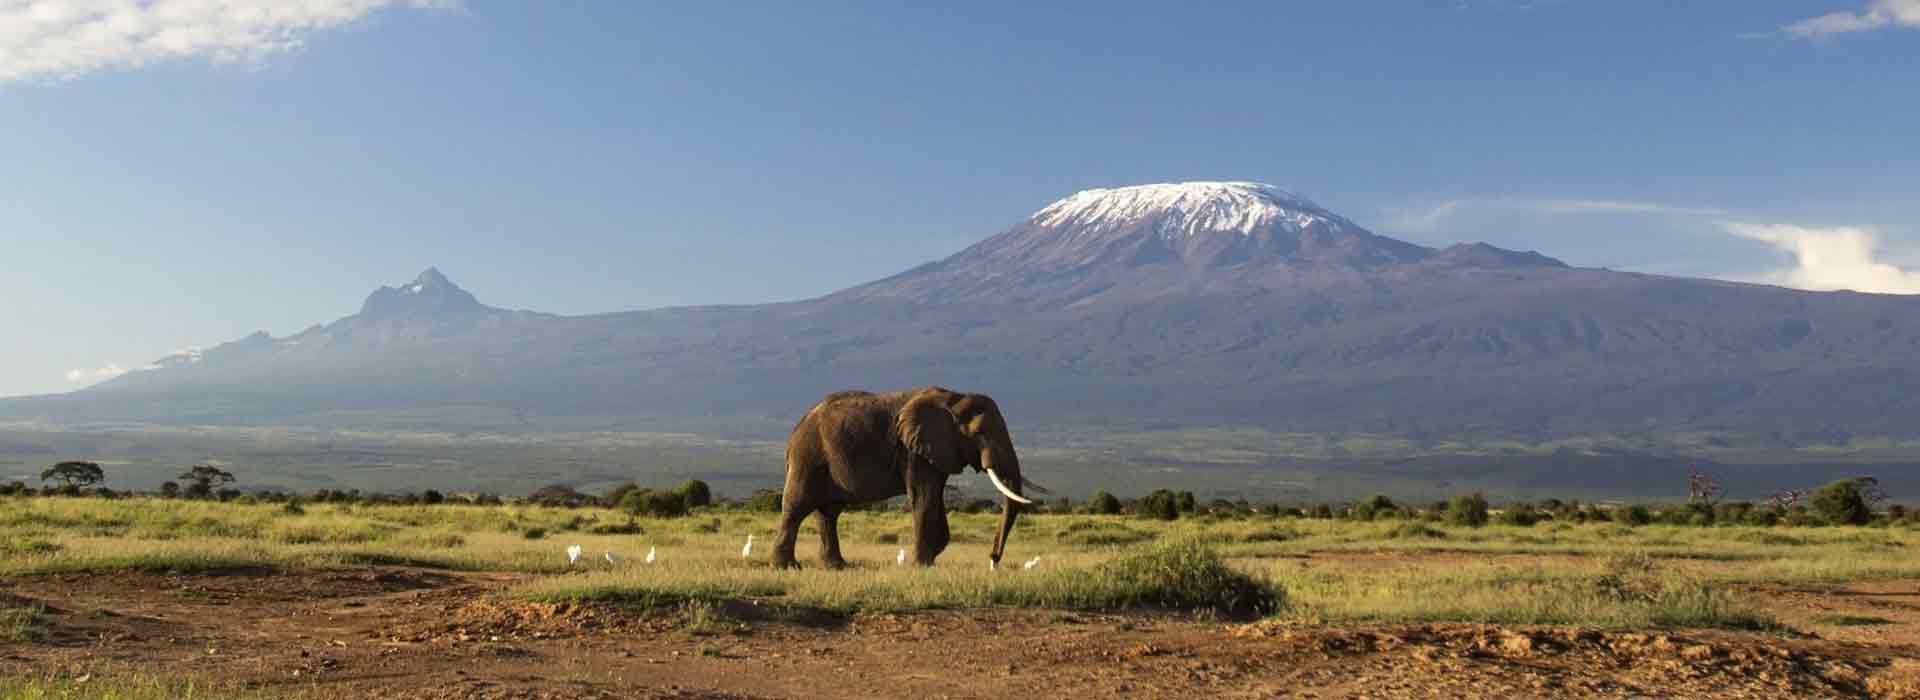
(1616, 565)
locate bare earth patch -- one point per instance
(408, 633)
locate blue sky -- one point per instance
(180, 173)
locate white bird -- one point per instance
(1031, 563)
(993, 565)
(747, 551)
(901, 558)
(573, 555)
(650, 552)
(610, 559)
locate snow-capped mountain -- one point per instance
(1199, 303)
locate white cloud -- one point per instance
(1878, 14)
(98, 374)
(1830, 258)
(1436, 217)
(63, 39)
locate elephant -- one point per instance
(860, 447)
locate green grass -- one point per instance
(145, 687)
(1851, 620)
(20, 622)
(1602, 574)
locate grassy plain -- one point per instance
(1607, 575)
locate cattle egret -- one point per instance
(650, 553)
(1031, 563)
(993, 565)
(747, 551)
(610, 560)
(573, 555)
(901, 558)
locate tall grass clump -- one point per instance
(1185, 575)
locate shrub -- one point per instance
(1376, 507)
(1843, 502)
(534, 533)
(657, 504)
(1161, 504)
(694, 493)
(1469, 510)
(1272, 534)
(432, 497)
(1104, 503)
(1519, 514)
(765, 501)
(1188, 576)
(1635, 514)
(559, 495)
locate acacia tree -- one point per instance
(205, 478)
(75, 475)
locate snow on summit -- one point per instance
(1185, 208)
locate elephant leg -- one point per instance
(929, 524)
(830, 536)
(790, 518)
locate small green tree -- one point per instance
(765, 501)
(1845, 502)
(1377, 506)
(658, 504)
(1161, 504)
(1103, 503)
(694, 493)
(203, 479)
(1469, 510)
(75, 475)
(1185, 502)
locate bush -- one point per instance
(1635, 514)
(765, 501)
(1379, 506)
(1843, 502)
(1188, 576)
(432, 497)
(1161, 504)
(559, 496)
(534, 533)
(1519, 514)
(657, 504)
(1104, 503)
(1469, 510)
(694, 493)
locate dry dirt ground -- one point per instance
(405, 633)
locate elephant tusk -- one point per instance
(995, 478)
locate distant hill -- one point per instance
(1156, 306)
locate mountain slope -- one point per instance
(1178, 304)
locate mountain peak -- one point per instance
(430, 295)
(1183, 208)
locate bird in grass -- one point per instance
(1035, 561)
(747, 551)
(650, 553)
(993, 564)
(610, 560)
(573, 555)
(901, 558)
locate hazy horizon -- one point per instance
(186, 177)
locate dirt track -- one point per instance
(403, 633)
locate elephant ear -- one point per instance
(928, 431)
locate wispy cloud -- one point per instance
(95, 375)
(1878, 14)
(1830, 258)
(1435, 217)
(63, 39)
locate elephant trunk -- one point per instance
(1005, 473)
